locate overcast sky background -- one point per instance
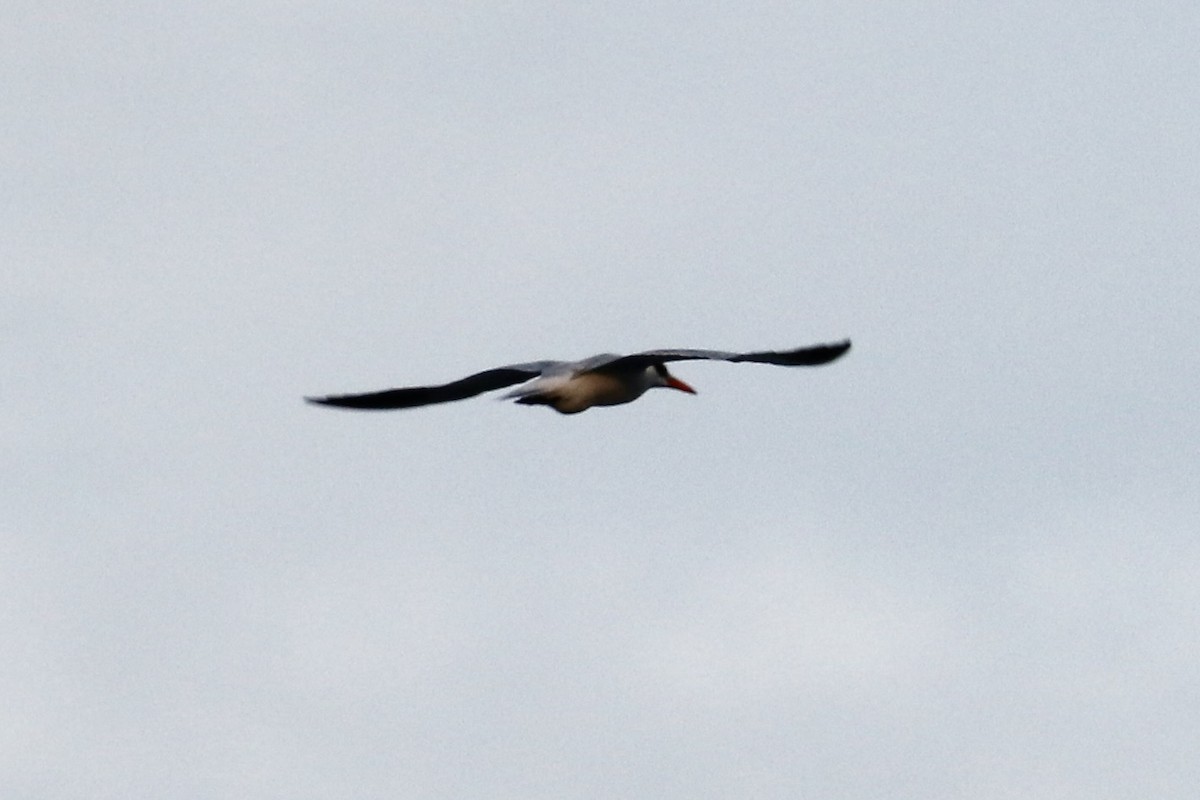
(961, 562)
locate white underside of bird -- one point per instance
(577, 391)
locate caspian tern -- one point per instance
(573, 386)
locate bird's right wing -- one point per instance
(413, 396)
(811, 356)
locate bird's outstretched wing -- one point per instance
(801, 357)
(413, 396)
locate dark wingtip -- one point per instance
(330, 401)
(338, 401)
(836, 351)
(820, 354)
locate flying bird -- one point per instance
(573, 386)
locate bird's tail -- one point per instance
(536, 392)
(534, 400)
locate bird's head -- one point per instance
(665, 379)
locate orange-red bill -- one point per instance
(675, 383)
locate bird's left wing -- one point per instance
(413, 396)
(812, 356)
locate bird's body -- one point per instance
(575, 391)
(573, 386)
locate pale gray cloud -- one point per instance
(957, 563)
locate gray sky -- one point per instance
(959, 563)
